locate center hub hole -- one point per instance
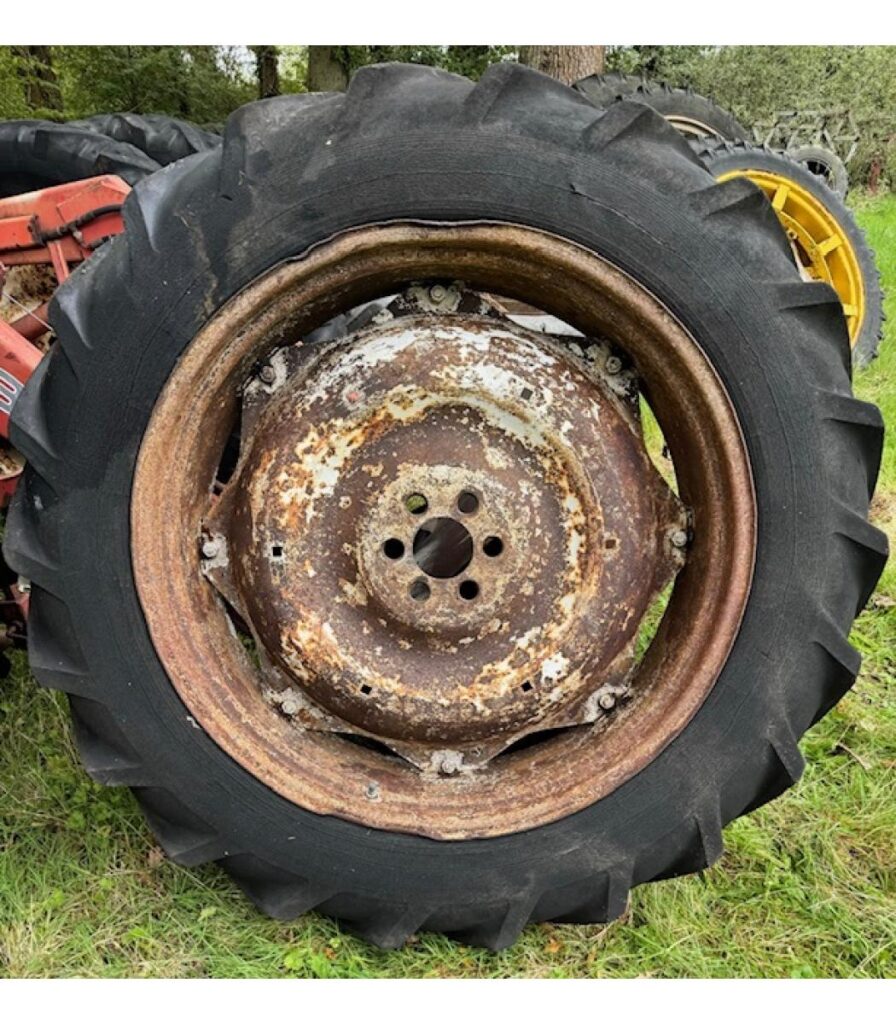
(443, 547)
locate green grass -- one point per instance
(807, 886)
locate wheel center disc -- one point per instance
(445, 529)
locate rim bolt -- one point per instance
(289, 707)
(613, 365)
(449, 761)
(373, 791)
(679, 538)
(267, 374)
(607, 701)
(437, 293)
(210, 547)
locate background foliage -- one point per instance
(204, 83)
(758, 83)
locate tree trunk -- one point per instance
(326, 69)
(267, 70)
(39, 78)
(566, 63)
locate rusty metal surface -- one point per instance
(509, 448)
(426, 407)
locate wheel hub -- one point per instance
(444, 533)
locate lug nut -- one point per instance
(613, 365)
(679, 538)
(267, 374)
(210, 547)
(289, 707)
(373, 791)
(437, 293)
(449, 761)
(607, 701)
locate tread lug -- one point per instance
(278, 894)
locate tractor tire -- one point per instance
(825, 164)
(37, 154)
(693, 115)
(163, 139)
(602, 90)
(813, 213)
(424, 168)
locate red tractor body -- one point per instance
(58, 226)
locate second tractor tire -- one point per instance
(863, 287)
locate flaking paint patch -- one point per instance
(554, 667)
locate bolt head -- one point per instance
(289, 707)
(210, 547)
(607, 701)
(450, 762)
(373, 791)
(437, 293)
(267, 374)
(613, 365)
(679, 538)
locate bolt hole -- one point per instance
(610, 543)
(468, 590)
(416, 504)
(467, 502)
(526, 687)
(393, 548)
(276, 550)
(365, 689)
(493, 546)
(419, 590)
(526, 394)
(443, 547)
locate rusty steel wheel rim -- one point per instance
(313, 544)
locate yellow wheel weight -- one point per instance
(820, 243)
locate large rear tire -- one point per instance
(424, 154)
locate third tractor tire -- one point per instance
(37, 154)
(358, 620)
(695, 116)
(163, 139)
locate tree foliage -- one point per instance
(205, 83)
(200, 83)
